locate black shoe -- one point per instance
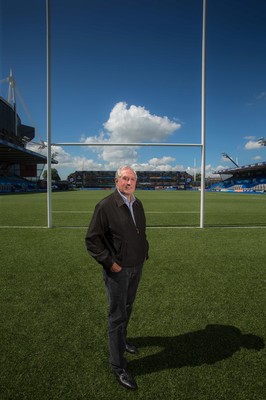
(130, 348)
(126, 380)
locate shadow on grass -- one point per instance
(206, 346)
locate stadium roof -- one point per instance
(243, 168)
(12, 153)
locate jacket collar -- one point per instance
(119, 200)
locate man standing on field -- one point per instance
(116, 238)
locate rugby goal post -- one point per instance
(48, 119)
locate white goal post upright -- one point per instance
(48, 116)
(50, 144)
(203, 116)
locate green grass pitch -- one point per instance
(199, 317)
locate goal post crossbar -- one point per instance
(128, 144)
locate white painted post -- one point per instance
(48, 117)
(203, 114)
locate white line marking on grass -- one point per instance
(147, 212)
(24, 227)
(236, 227)
(172, 212)
(173, 227)
(72, 212)
(206, 227)
(148, 227)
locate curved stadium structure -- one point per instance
(20, 168)
(245, 178)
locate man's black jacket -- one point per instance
(112, 235)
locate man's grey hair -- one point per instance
(118, 173)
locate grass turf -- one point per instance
(163, 208)
(199, 317)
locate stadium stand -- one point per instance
(243, 179)
(147, 180)
(20, 168)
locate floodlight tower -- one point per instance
(225, 155)
(11, 98)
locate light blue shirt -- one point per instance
(129, 203)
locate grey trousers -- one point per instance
(121, 289)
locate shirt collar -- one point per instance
(132, 198)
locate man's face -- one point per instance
(126, 184)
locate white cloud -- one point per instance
(225, 159)
(164, 160)
(136, 124)
(257, 99)
(159, 164)
(119, 155)
(251, 145)
(257, 158)
(67, 162)
(125, 125)
(219, 168)
(132, 124)
(250, 137)
(261, 96)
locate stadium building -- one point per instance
(246, 178)
(20, 168)
(147, 180)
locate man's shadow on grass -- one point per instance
(206, 346)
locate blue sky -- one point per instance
(130, 71)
